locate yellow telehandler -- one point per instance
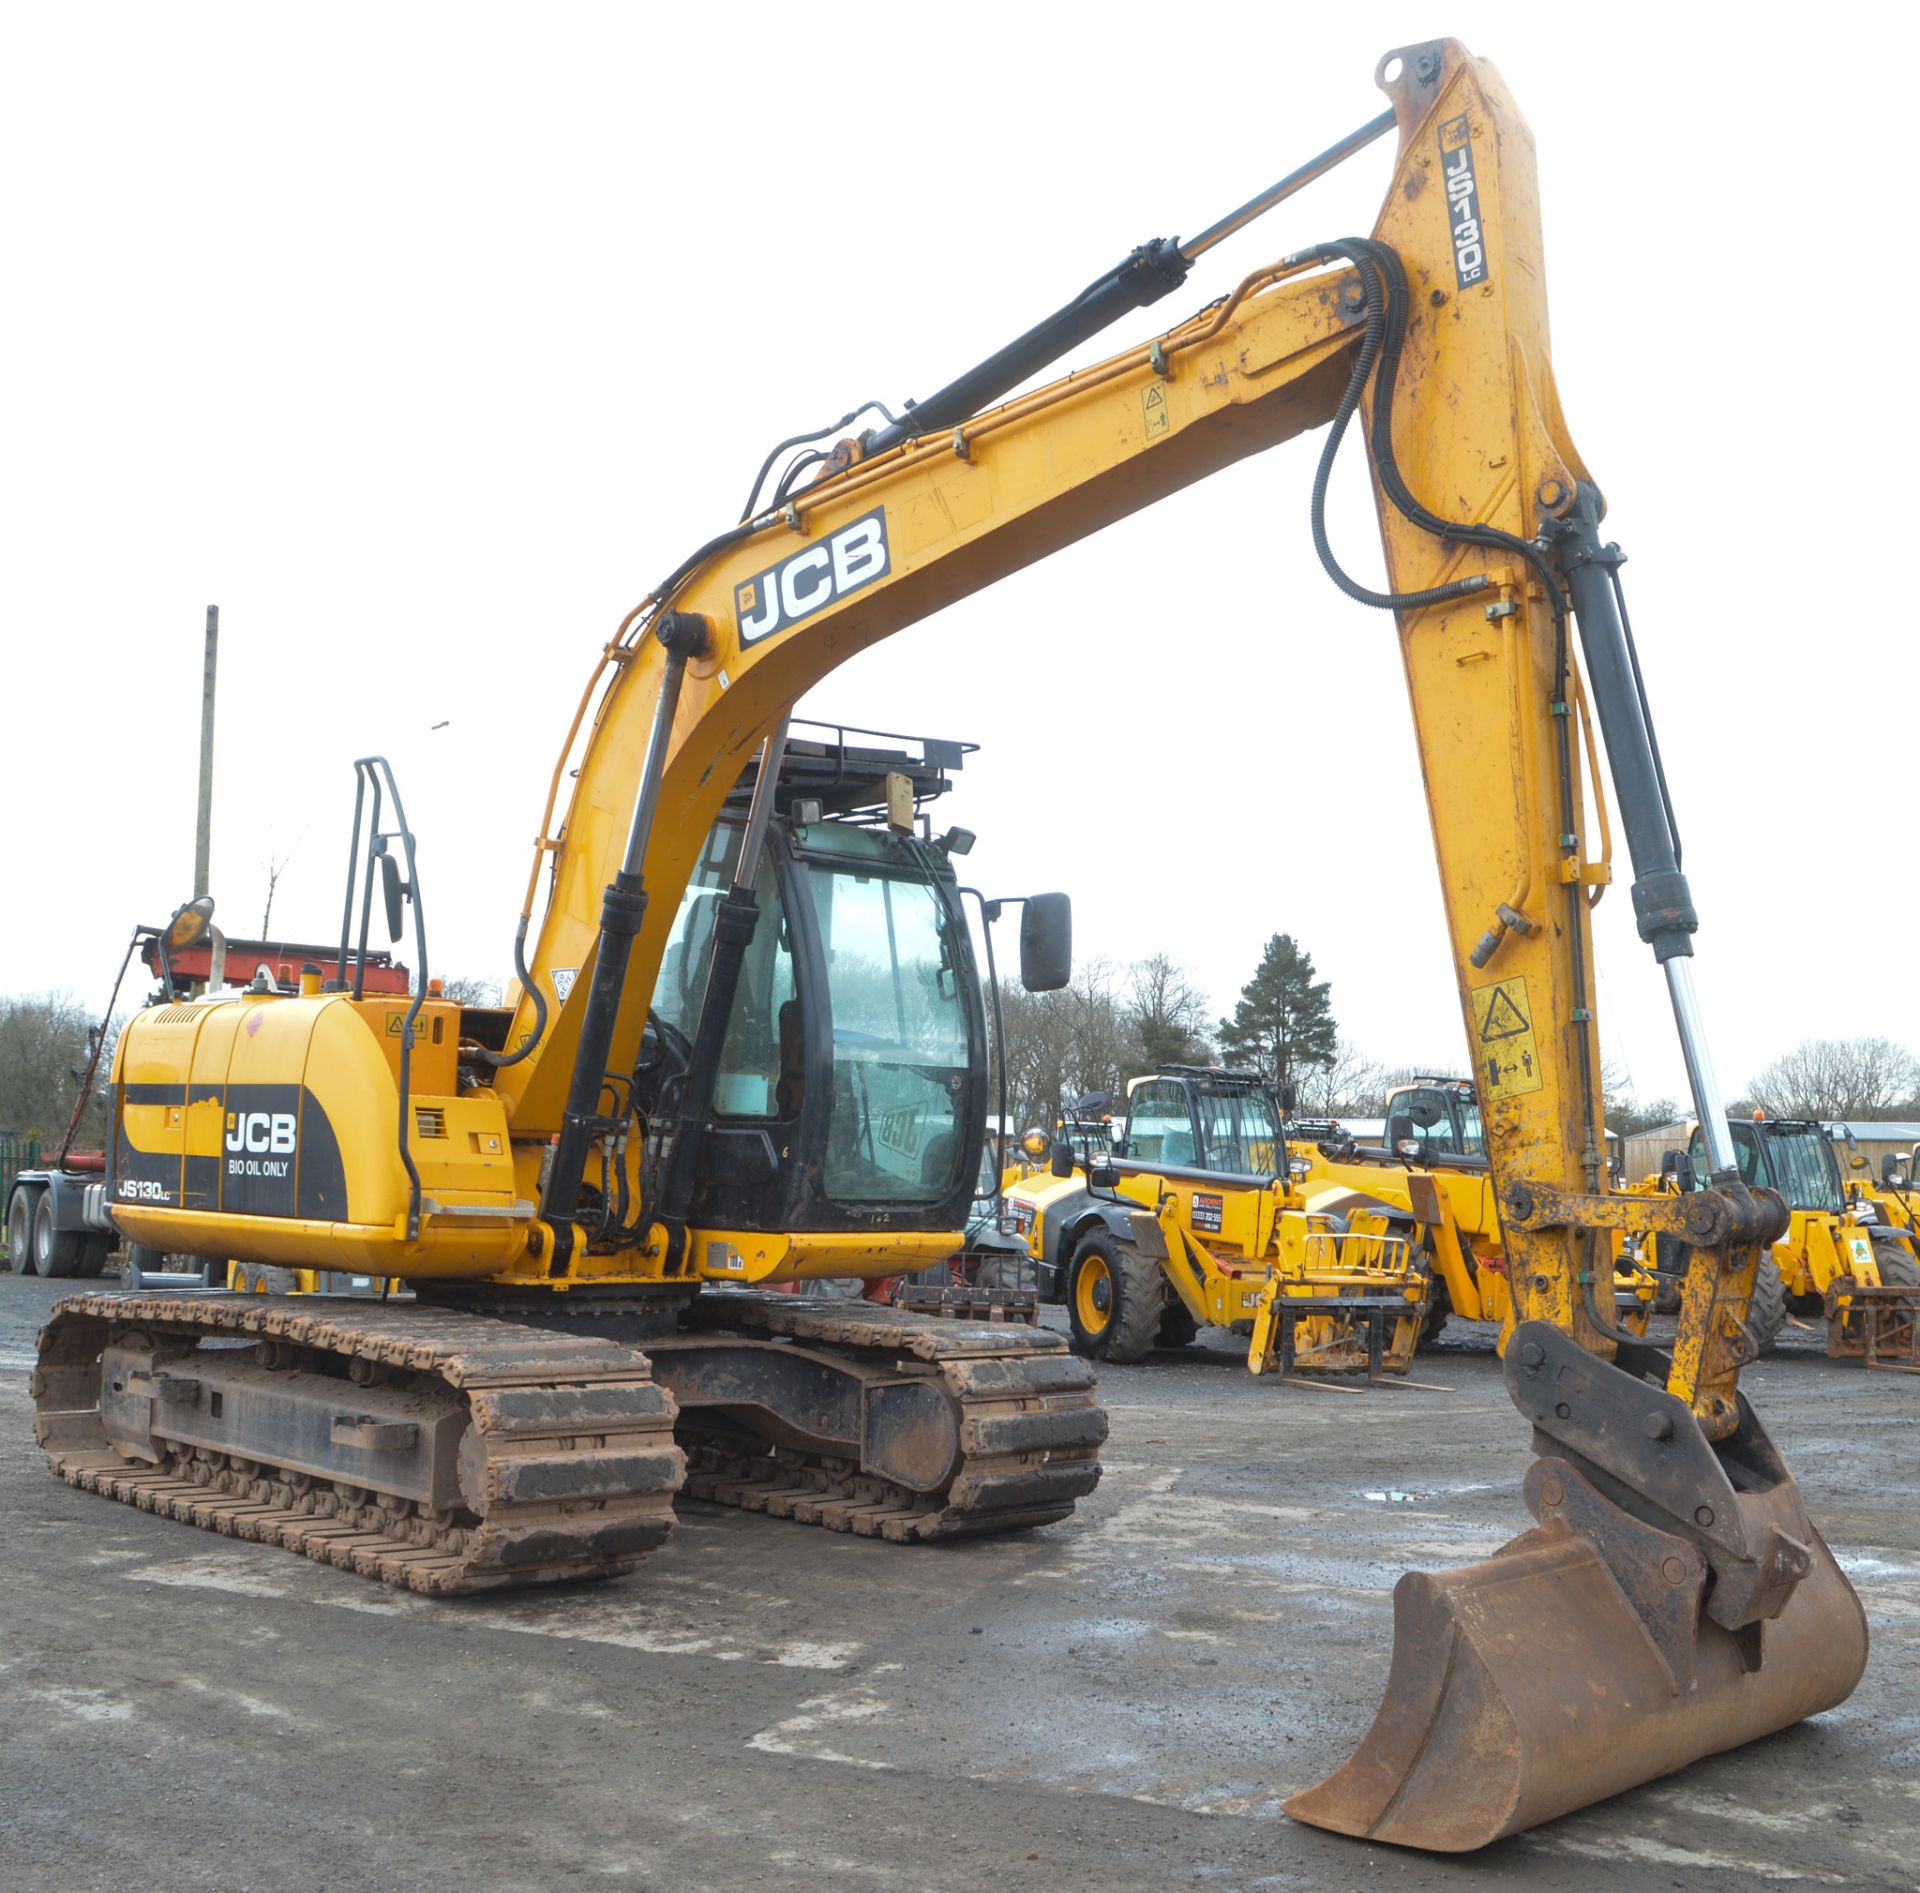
(1432, 1170)
(1190, 1218)
(1839, 1260)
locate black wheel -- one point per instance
(1768, 1309)
(261, 1278)
(1115, 1299)
(20, 1232)
(95, 1246)
(1005, 1269)
(1177, 1325)
(1898, 1269)
(142, 1262)
(55, 1251)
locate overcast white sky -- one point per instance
(424, 339)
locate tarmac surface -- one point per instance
(1120, 1701)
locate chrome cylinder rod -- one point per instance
(1708, 1102)
(1294, 181)
(760, 811)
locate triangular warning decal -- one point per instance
(1504, 1019)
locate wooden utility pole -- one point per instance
(203, 832)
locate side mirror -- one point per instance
(1890, 1167)
(1683, 1173)
(190, 924)
(391, 892)
(1046, 942)
(1103, 1176)
(1288, 1096)
(1093, 1101)
(1425, 1112)
(1061, 1163)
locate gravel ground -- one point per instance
(1119, 1701)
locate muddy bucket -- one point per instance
(1528, 1686)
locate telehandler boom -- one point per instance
(1673, 1599)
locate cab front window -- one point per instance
(899, 1032)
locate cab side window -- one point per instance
(1160, 1125)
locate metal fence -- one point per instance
(17, 1153)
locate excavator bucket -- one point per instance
(1552, 1676)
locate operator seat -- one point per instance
(790, 1091)
(936, 1161)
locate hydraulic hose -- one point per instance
(530, 986)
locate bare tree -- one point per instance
(466, 991)
(1167, 1015)
(276, 866)
(44, 1042)
(1063, 1044)
(1840, 1078)
(1351, 1085)
(1624, 1112)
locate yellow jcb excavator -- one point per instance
(564, 1182)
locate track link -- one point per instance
(568, 1460)
(1030, 1429)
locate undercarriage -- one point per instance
(525, 1440)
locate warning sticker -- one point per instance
(1506, 1059)
(1153, 401)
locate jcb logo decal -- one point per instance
(256, 1133)
(1463, 202)
(796, 588)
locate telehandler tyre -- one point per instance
(1898, 1269)
(1767, 1312)
(1115, 1299)
(1177, 1325)
(262, 1278)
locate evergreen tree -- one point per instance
(1283, 1022)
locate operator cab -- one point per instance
(1436, 1121)
(1790, 1155)
(852, 1085)
(1200, 1118)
